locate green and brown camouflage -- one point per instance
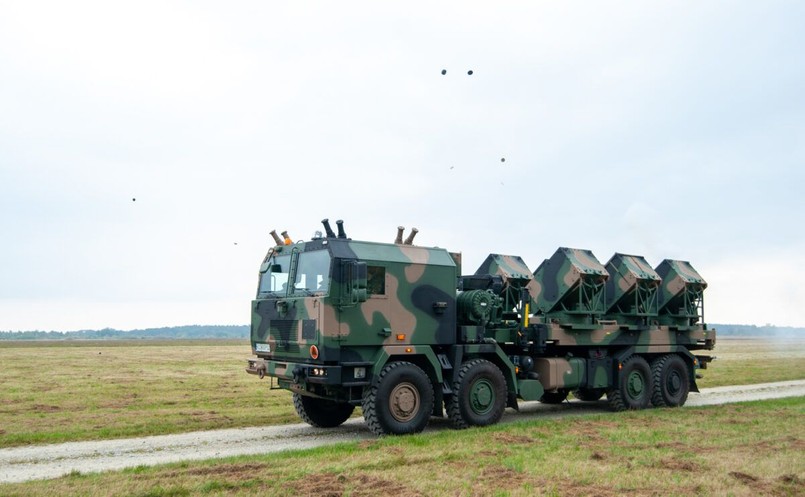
(394, 328)
(680, 295)
(346, 305)
(631, 290)
(570, 287)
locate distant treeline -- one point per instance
(242, 332)
(750, 330)
(174, 332)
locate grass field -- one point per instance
(62, 391)
(742, 361)
(741, 449)
(83, 390)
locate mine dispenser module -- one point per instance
(396, 329)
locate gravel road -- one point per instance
(50, 461)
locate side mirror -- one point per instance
(272, 268)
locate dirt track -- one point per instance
(50, 461)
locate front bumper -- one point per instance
(354, 374)
(258, 367)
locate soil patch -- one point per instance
(507, 438)
(743, 477)
(676, 465)
(332, 485)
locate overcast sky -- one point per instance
(665, 129)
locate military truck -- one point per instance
(396, 329)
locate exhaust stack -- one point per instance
(400, 230)
(277, 239)
(327, 228)
(410, 239)
(340, 225)
(287, 238)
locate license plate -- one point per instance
(262, 347)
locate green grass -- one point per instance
(62, 391)
(742, 449)
(742, 361)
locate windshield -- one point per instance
(312, 274)
(313, 271)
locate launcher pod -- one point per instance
(396, 329)
(631, 290)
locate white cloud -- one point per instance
(670, 131)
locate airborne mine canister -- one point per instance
(395, 329)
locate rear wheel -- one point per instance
(400, 401)
(479, 395)
(322, 413)
(556, 397)
(671, 381)
(634, 388)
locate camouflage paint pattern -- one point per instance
(631, 289)
(566, 325)
(407, 305)
(680, 295)
(570, 283)
(515, 274)
(557, 373)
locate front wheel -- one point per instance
(400, 401)
(634, 387)
(321, 413)
(479, 395)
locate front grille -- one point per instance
(284, 330)
(308, 329)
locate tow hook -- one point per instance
(298, 374)
(257, 367)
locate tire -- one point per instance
(634, 388)
(321, 413)
(671, 381)
(556, 397)
(589, 394)
(400, 401)
(479, 395)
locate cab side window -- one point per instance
(376, 280)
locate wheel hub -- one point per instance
(404, 402)
(635, 384)
(674, 383)
(482, 396)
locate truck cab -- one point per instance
(330, 311)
